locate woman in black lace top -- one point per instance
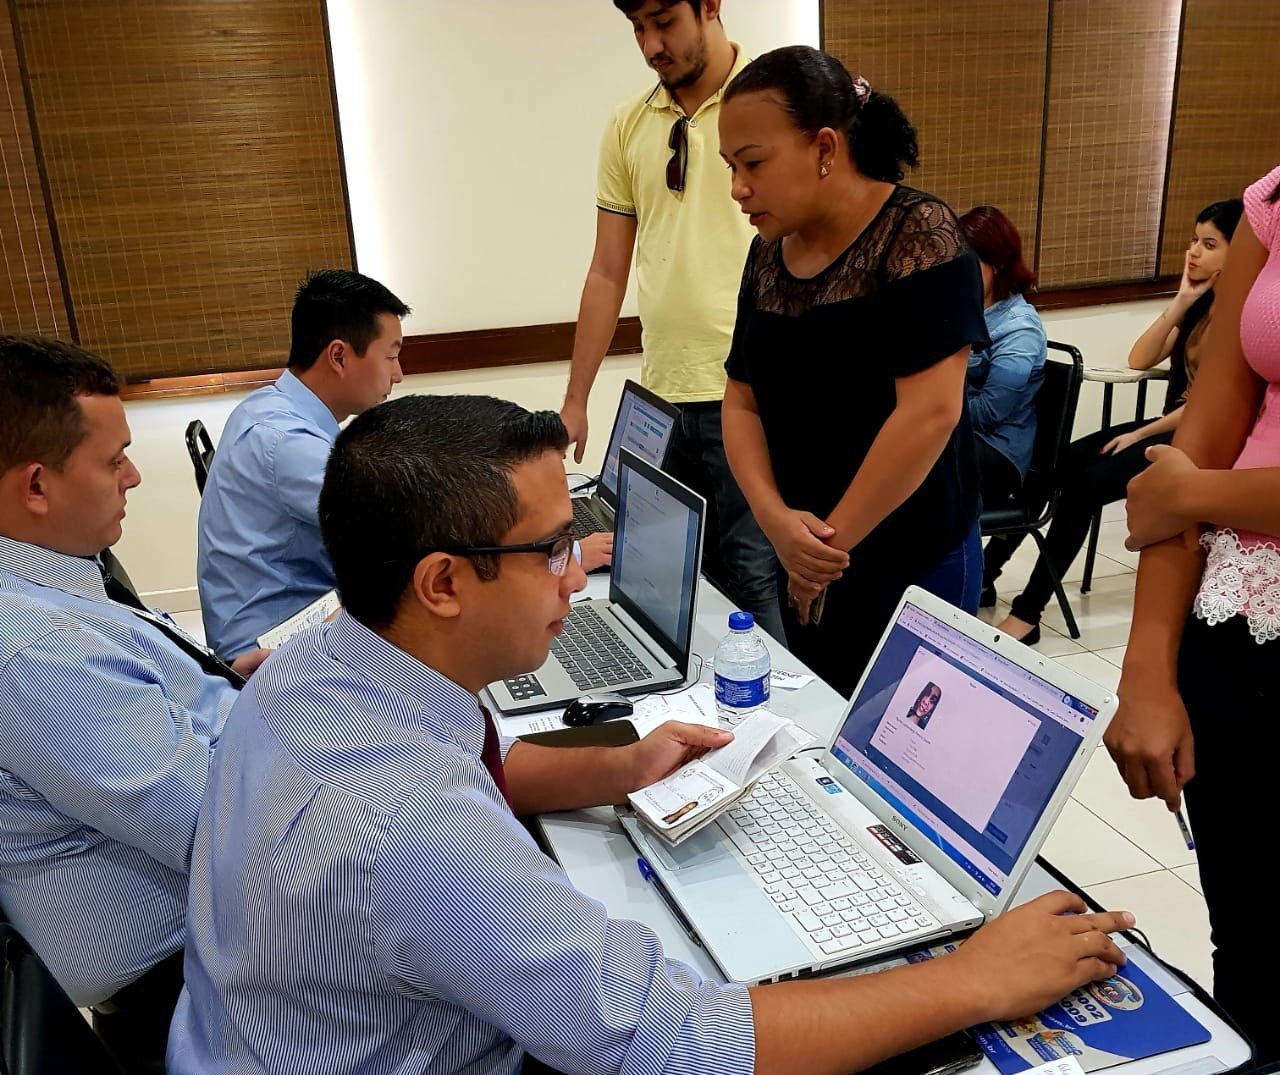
(844, 415)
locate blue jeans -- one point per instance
(958, 578)
(736, 555)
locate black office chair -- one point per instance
(1033, 507)
(200, 448)
(41, 1030)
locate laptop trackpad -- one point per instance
(705, 848)
(738, 923)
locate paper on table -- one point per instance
(1067, 1065)
(317, 612)
(697, 705)
(783, 680)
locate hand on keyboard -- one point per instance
(1039, 952)
(597, 551)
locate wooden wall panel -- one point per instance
(971, 77)
(31, 298)
(1111, 75)
(1226, 124)
(194, 168)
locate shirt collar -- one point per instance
(78, 575)
(660, 100)
(311, 405)
(448, 709)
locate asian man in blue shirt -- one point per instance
(260, 557)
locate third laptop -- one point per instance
(644, 425)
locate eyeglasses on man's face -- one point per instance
(556, 549)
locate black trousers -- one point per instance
(736, 555)
(134, 1023)
(1090, 481)
(1232, 694)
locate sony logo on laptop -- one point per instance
(898, 821)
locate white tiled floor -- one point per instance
(1126, 854)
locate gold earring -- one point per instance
(824, 170)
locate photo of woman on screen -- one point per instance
(926, 702)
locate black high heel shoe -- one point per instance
(1032, 637)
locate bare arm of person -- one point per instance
(1150, 738)
(602, 296)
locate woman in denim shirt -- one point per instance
(1003, 379)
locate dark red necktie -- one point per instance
(491, 755)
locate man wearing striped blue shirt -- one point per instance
(363, 897)
(106, 714)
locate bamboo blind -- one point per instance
(30, 292)
(1227, 115)
(970, 77)
(1111, 80)
(194, 170)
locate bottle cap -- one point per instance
(741, 621)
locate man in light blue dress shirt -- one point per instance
(363, 897)
(260, 557)
(106, 715)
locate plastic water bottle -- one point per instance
(742, 669)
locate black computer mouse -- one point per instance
(594, 708)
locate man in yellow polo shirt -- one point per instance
(663, 192)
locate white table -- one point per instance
(601, 862)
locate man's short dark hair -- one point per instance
(421, 473)
(337, 304)
(630, 7)
(40, 416)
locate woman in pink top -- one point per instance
(1200, 692)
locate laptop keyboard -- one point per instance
(831, 889)
(584, 522)
(593, 655)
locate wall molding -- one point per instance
(1073, 298)
(518, 345)
(440, 352)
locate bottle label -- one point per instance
(741, 693)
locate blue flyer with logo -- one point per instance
(1101, 1024)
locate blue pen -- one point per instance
(1185, 829)
(650, 875)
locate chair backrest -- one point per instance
(41, 1030)
(200, 448)
(1055, 416)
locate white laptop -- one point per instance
(644, 425)
(640, 638)
(918, 821)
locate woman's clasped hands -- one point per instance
(800, 540)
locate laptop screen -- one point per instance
(641, 427)
(969, 746)
(655, 555)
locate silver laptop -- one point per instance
(639, 639)
(919, 820)
(644, 425)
